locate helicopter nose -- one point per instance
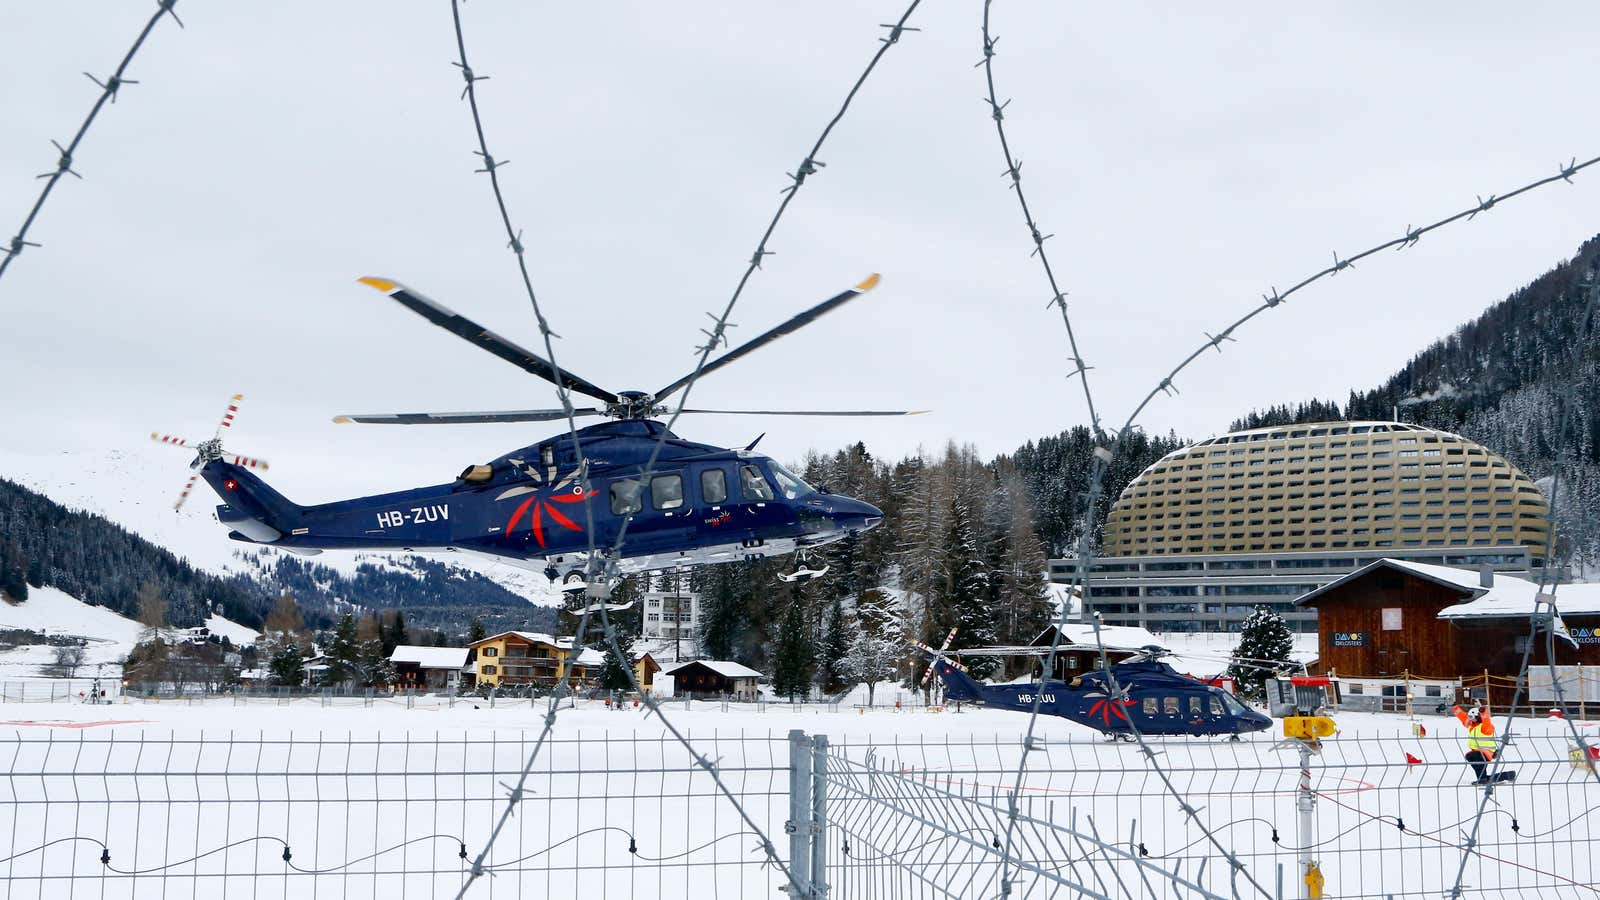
(853, 515)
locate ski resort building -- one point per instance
(1393, 619)
(1260, 517)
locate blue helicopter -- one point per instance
(545, 505)
(1154, 697)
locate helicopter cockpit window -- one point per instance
(625, 498)
(714, 486)
(1233, 704)
(752, 485)
(789, 483)
(1216, 705)
(666, 491)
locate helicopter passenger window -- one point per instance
(666, 491)
(1149, 706)
(1169, 705)
(752, 485)
(714, 486)
(625, 498)
(1196, 706)
(1216, 705)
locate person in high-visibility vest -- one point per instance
(1480, 740)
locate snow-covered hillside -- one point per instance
(108, 636)
(135, 487)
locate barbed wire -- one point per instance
(491, 167)
(1538, 618)
(108, 93)
(603, 574)
(1102, 459)
(458, 850)
(1058, 297)
(1105, 451)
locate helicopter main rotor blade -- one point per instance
(466, 418)
(463, 327)
(808, 412)
(805, 318)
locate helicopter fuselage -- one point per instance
(1151, 696)
(545, 506)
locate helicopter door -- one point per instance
(663, 521)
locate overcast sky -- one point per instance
(1187, 158)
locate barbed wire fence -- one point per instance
(1545, 614)
(109, 89)
(602, 570)
(1106, 448)
(613, 812)
(1026, 835)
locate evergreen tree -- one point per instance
(794, 655)
(395, 634)
(964, 586)
(288, 664)
(35, 576)
(13, 572)
(614, 675)
(342, 653)
(721, 617)
(834, 648)
(475, 631)
(372, 664)
(1264, 647)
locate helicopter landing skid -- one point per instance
(804, 572)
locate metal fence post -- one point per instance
(819, 816)
(799, 824)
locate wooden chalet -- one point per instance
(713, 678)
(1397, 619)
(1079, 651)
(432, 668)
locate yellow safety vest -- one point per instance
(1477, 740)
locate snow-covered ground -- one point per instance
(167, 786)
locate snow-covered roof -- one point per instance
(725, 668)
(537, 637)
(1116, 637)
(1515, 597)
(590, 657)
(430, 657)
(1447, 576)
(1507, 596)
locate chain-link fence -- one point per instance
(140, 814)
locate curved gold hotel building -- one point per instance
(1328, 486)
(1256, 518)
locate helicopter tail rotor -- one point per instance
(208, 450)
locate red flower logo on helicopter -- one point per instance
(543, 507)
(1106, 707)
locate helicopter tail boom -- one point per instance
(251, 507)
